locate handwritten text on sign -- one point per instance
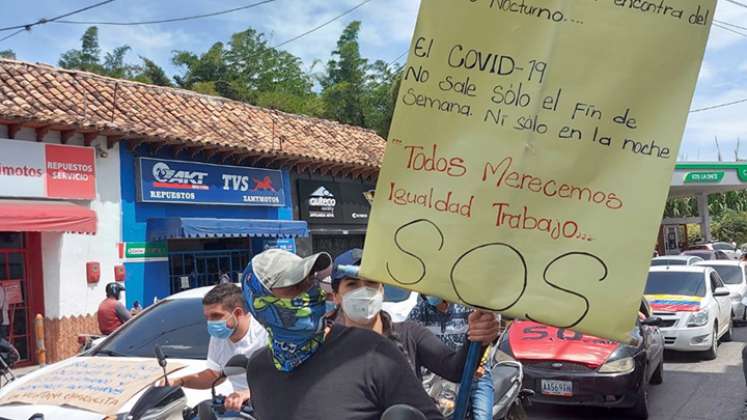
(101, 385)
(531, 151)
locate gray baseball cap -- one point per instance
(280, 268)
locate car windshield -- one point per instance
(721, 246)
(395, 294)
(668, 262)
(730, 274)
(178, 325)
(675, 283)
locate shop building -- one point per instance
(187, 187)
(337, 211)
(58, 230)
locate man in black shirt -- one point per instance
(314, 369)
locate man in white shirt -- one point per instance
(232, 331)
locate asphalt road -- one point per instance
(692, 390)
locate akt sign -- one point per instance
(31, 169)
(175, 181)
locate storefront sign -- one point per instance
(32, 169)
(704, 177)
(329, 202)
(144, 251)
(527, 151)
(288, 244)
(173, 181)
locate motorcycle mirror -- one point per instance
(654, 321)
(236, 365)
(402, 412)
(162, 362)
(160, 356)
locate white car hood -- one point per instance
(24, 411)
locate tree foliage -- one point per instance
(246, 68)
(113, 64)
(8, 54)
(731, 227)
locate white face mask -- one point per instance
(362, 304)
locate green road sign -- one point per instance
(704, 177)
(146, 250)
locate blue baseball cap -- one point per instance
(350, 257)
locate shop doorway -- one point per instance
(14, 278)
(200, 263)
(336, 244)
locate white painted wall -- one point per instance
(64, 255)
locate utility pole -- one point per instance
(718, 149)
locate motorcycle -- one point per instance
(508, 395)
(8, 358)
(170, 403)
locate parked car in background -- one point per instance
(733, 275)
(569, 368)
(707, 254)
(176, 323)
(398, 302)
(675, 260)
(694, 306)
(729, 249)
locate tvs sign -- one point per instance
(174, 181)
(31, 169)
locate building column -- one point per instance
(705, 217)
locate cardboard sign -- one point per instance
(13, 291)
(101, 385)
(531, 152)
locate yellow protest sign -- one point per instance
(101, 385)
(531, 152)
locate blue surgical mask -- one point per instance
(220, 329)
(434, 300)
(295, 326)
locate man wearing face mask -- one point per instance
(359, 304)
(314, 369)
(232, 331)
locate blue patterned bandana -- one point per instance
(295, 326)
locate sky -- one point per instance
(387, 27)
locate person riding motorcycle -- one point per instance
(359, 305)
(112, 313)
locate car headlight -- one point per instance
(697, 319)
(624, 365)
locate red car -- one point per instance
(566, 367)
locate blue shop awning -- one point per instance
(183, 227)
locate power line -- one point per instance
(708, 108)
(726, 28)
(737, 3)
(341, 15)
(398, 58)
(12, 35)
(730, 24)
(178, 19)
(42, 21)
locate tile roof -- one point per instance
(79, 100)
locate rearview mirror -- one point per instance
(653, 321)
(237, 365)
(721, 292)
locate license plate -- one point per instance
(559, 388)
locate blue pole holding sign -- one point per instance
(465, 386)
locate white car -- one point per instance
(176, 323)
(694, 306)
(735, 279)
(675, 260)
